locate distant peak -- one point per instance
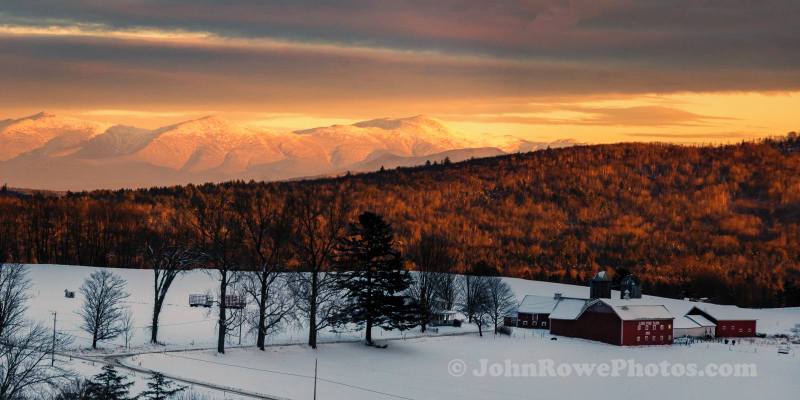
(394, 123)
(208, 120)
(40, 115)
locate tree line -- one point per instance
(349, 274)
(353, 277)
(719, 222)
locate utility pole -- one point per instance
(315, 378)
(241, 322)
(53, 345)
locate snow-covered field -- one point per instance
(419, 369)
(414, 367)
(181, 326)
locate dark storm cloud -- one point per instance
(407, 52)
(89, 70)
(688, 33)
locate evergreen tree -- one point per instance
(109, 385)
(160, 388)
(372, 278)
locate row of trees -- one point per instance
(349, 274)
(718, 222)
(346, 272)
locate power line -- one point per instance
(290, 374)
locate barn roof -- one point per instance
(726, 313)
(638, 309)
(701, 320)
(568, 308)
(685, 323)
(537, 304)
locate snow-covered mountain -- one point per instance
(62, 153)
(44, 133)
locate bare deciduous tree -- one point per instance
(277, 309)
(500, 300)
(267, 233)
(102, 311)
(128, 328)
(431, 257)
(25, 370)
(318, 221)
(446, 287)
(24, 348)
(471, 285)
(167, 262)
(220, 248)
(14, 286)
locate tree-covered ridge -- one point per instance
(718, 222)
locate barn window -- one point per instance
(724, 327)
(669, 326)
(669, 337)
(638, 328)
(544, 323)
(661, 338)
(638, 338)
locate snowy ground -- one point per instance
(414, 368)
(182, 327)
(418, 369)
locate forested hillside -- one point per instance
(719, 222)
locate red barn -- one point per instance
(533, 312)
(628, 322)
(731, 321)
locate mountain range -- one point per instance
(47, 151)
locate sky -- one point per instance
(594, 70)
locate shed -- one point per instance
(731, 321)
(534, 311)
(686, 327)
(709, 328)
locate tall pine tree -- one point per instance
(371, 276)
(109, 385)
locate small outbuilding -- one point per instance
(534, 311)
(731, 321)
(709, 328)
(686, 327)
(443, 318)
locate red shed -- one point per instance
(627, 322)
(731, 321)
(534, 311)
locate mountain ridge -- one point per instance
(47, 151)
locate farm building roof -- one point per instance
(568, 308)
(537, 304)
(701, 320)
(636, 309)
(726, 313)
(685, 323)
